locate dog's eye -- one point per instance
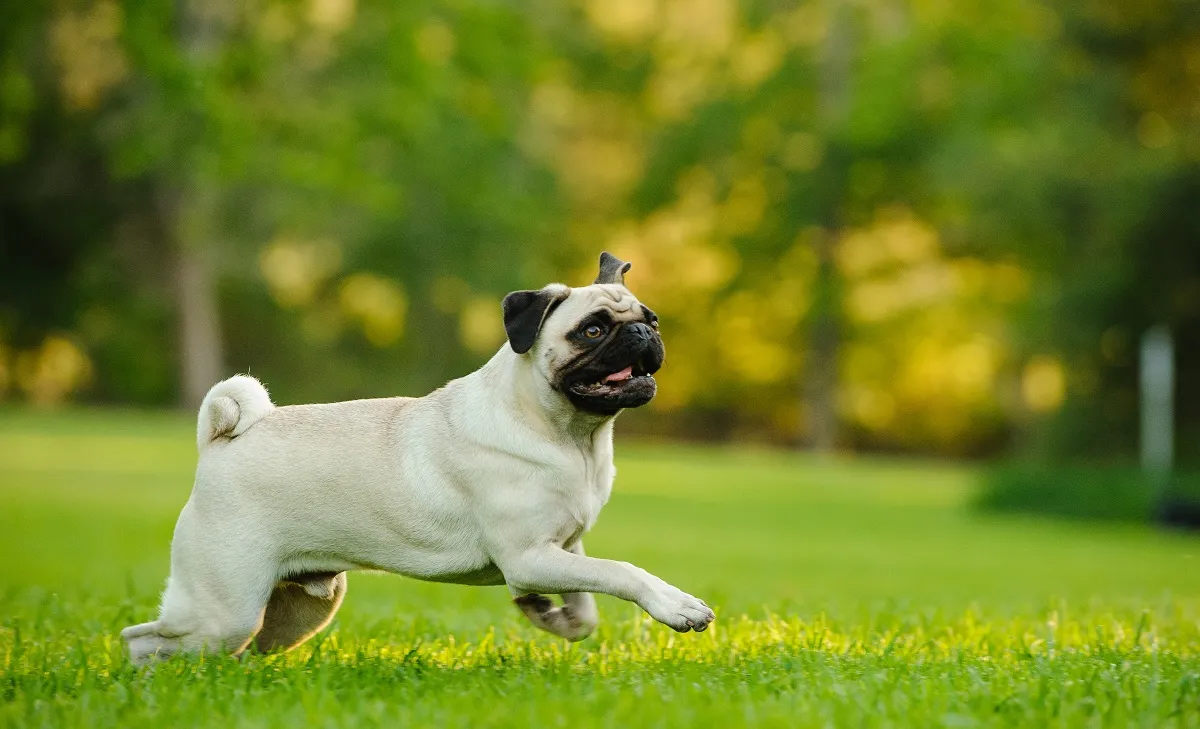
(654, 324)
(592, 332)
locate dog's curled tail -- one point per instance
(230, 408)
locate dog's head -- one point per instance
(597, 345)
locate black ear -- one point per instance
(612, 269)
(524, 312)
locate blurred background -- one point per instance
(926, 227)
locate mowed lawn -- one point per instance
(849, 593)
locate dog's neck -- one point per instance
(514, 378)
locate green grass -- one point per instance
(849, 593)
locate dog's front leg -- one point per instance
(550, 569)
(574, 620)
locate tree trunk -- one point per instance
(188, 205)
(821, 381)
(821, 376)
(201, 354)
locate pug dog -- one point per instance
(491, 480)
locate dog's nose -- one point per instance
(640, 330)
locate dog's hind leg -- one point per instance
(215, 596)
(574, 620)
(300, 607)
(197, 618)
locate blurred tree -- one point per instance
(1093, 191)
(866, 224)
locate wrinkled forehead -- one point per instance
(615, 298)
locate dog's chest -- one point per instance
(594, 486)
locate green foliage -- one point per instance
(862, 593)
(1116, 494)
(963, 199)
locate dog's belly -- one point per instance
(428, 569)
(456, 566)
(484, 576)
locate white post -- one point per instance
(1158, 416)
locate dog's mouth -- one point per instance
(631, 377)
(630, 386)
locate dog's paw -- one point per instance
(561, 620)
(148, 644)
(683, 612)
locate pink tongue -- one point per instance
(624, 374)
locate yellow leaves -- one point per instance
(298, 275)
(790, 292)
(1154, 131)
(51, 373)
(756, 58)
(935, 86)
(807, 25)
(975, 365)
(802, 152)
(275, 23)
(892, 266)
(929, 374)
(873, 408)
(698, 48)
(936, 363)
(695, 46)
(1038, 21)
(682, 378)
(623, 20)
(87, 49)
(744, 207)
(294, 270)
(6, 375)
(695, 189)
(591, 140)
(760, 136)
(751, 346)
(699, 29)
(1009, 282)
(896, 237)
(1043, 384)
(435, 43)
(896, 265)
(596, 167)
(331, 16)
(940, 367)
(551, 105)
(929, 381)
(379, 305)
(880, 299)
(448, 293)
(675, 89)
(480, 325)
(680, 266)
(1004, 283)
